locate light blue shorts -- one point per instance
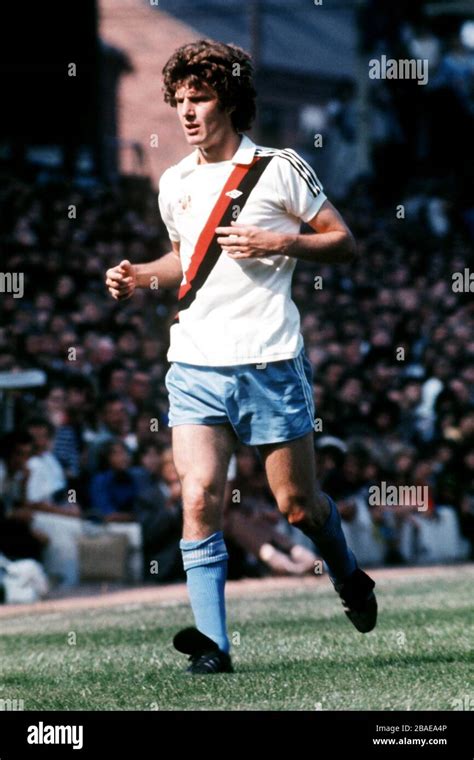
(269, 404)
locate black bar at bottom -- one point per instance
(428, 734)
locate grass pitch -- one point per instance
(293, 649)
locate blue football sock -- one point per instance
(331, 544)
(205, 563)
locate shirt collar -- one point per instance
(245, 152)
(243, 155)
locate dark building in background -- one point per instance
(42, 104)
(311, 73)
(312, 80)
(59, 88)
(114, 63)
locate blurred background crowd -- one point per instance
(87, 454)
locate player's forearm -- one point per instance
(337, 246)
(165, 272)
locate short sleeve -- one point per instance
(299, 189)
(165, 204)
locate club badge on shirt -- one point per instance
(184, 204)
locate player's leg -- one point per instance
(201, 455)
(291, 473)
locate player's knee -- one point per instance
(294, 505)
(198, 497)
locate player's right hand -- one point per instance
(121, 280)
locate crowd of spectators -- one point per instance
(390, 341)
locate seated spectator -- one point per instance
(55, 512)
(448, 485)
(18, 538)
(411, 420)
(148, 471)
(46, 488)
(329, 455)
(113, 491)
(115, 424)
(139, 391)
(350, 477)
(159, 510)
(353, 406)
(66, 445)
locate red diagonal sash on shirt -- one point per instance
(207, 250)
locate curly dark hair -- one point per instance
(226, 68)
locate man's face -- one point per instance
(140, 386)
(151, 460)
(76, 398)
(115, 416)
(41, 438)
(204, 123)
(119, 458)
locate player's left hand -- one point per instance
(247, 242)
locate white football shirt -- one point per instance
(244, 312)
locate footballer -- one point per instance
(238, 368)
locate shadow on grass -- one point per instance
(371, 662)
